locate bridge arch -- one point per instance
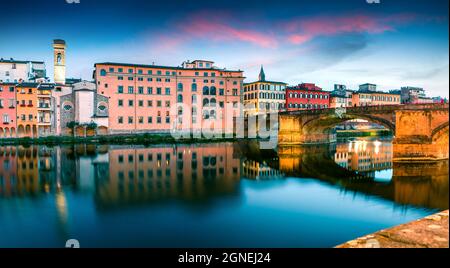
(440, 135)
(321, 126)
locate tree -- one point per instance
(72, 125)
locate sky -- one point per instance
(392, 44)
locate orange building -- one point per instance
(372, 98)
(27, 109)
(141, 96)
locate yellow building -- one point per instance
(262, 97)
(44, 109)
(27, 109)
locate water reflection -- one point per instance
(230, 183)
(118, 175)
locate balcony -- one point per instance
(44, 123)
(44, 106)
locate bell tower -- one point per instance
(59, 61)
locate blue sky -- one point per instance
(395, 43)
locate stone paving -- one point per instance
(429, 232)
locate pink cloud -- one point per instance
(218, 30)
(304, 29)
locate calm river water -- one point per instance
(210, 195)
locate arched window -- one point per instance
(67, 106)
(180, 87)
(102, 106)
(194, 87)
(212, 90)
(205, 102)
(212, 114)
(179, 98)
(194, 99)
(102, 72)
(205, 90)
(213, 102)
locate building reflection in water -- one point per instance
(256, 170)
(189, 172)
(125, 175)
(364, 156)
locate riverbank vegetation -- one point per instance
(113, 139)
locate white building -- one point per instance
(14, 71)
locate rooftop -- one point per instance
(163, 67)
(265, 81)
(11, 60)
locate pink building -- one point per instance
(147, 98)
(8, 115)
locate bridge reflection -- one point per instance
(130, 175)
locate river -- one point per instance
(211, 194)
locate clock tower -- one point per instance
(59, 61)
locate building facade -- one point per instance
(368, 87)
(8, 119)
(59, 61)
(27, 110)
(262, 96)
(306, 96)
(150, 98)
(14, 71)
(414, 95)
(340, 101)
(82, 108)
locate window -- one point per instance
(158, 91)
(167, 91)
(120, 103)
(180, 98)
(141, 103)
(221, 91)
(130, 120)
(120, 70)
(149, 90)
(130, 103)
(130, 71)
(205, 90)
(120, 120)
(120, 78)
(158, 103)
(102, 107)
(141, 90)
(167, 120)
(212, 91)
(141, 120)
(194, 87)
(149, 120)
(67, 107)
(167, 104)
(130, 90)
(120, 89)
(150, 103)
(102, 72)
(180, 87)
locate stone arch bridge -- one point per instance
(420, 130)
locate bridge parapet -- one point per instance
(373, 108)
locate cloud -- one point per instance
(301, 30)
(221, 28)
